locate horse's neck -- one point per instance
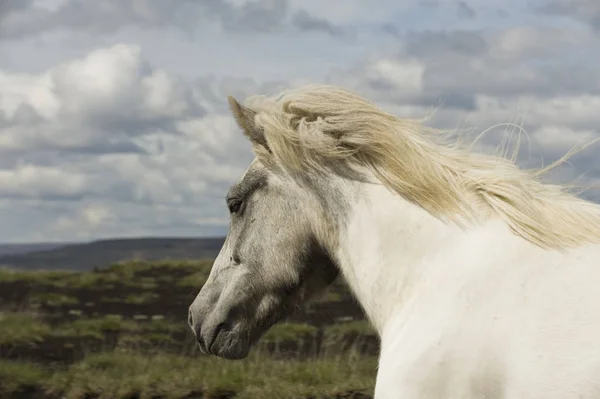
(389, 247)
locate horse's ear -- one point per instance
(244, 117)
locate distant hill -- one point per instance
(12, 249)
(86, 256)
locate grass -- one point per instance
(156, 341)
(154, 354)
(22, 328)
(154, 332)
(47, 277)
(130, 273)
(195, 280)
(52, 299)
(162, 326)
(94, 327)
(16, 376)
(143, 297)
(289, 332)
(359, 327)
(122, 374)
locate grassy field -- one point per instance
(121, 332)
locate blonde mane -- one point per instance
(320, 126)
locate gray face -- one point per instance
(270, 263)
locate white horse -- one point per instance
(481, 281)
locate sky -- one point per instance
(114, 119)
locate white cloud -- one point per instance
(114, 120)
(96, 215)
(36, 91)
(93, 217)
(104, 80)
(111, 129)
(404, 76)
(40, 181)
(106, 96)
(587, 11)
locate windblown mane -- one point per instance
(318, 126)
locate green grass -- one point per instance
(147, 362)
(154, 332)
(140, 298)
(163, 325)
(289, 332)
(121, 374)
(45, 277)
(94, 281)
(195, 280)
(22, 328)
(94, 327)
(19, 328)
(117, 375)
(16, 376)
(166, 270)
(52, 299)
(130, 273)
(360, 327)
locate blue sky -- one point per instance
(113, 114)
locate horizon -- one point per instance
(115, 238)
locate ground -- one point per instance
(121, 332)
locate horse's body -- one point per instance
(481, 281)
(472, 314)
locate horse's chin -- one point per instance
(233, 353)
(230, 346)
(237, 344)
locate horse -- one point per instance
(481, 279)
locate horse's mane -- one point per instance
(319, 126)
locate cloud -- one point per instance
(26, 180)
(254, 16)
(306, 22)
(475, 80)
(112, 123)
(9, 7)
(93, 215)
(93, 104)
(464, 10)
(111, 130)
(587, 11)
(453, 68)
(100, 17)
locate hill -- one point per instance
(101, 253)
(12, 249)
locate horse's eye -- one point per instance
(234, 205)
